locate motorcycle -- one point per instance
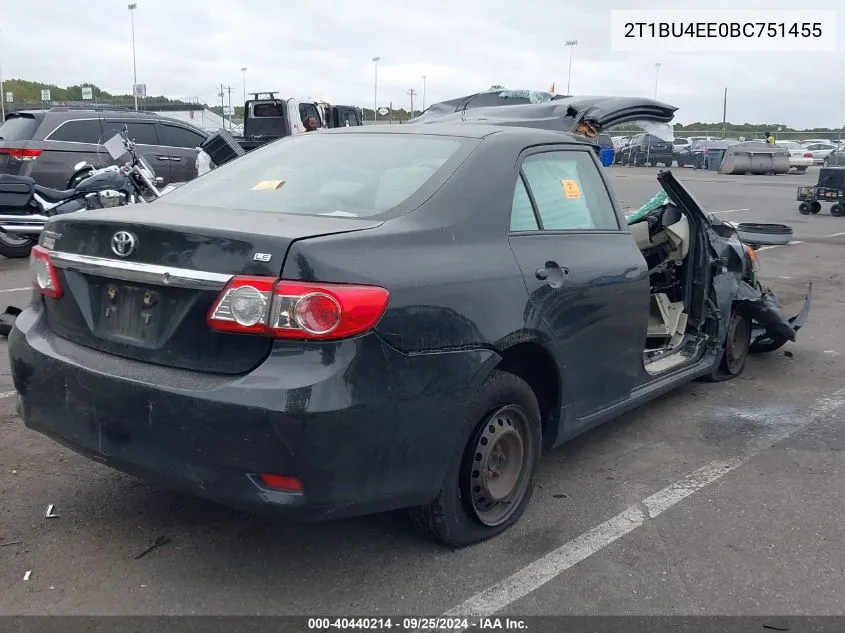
(26, 206)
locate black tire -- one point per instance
(815, 207)
(804, 208)
(735, 349)
(14, 247)
(837, 210)
(503, 407)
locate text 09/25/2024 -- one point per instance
(722, 31)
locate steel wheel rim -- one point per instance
(737, 334)
(498, 465)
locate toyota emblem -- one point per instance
(123, 243)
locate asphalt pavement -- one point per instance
(715, 499)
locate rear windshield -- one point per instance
(18, 127)
(324, 173)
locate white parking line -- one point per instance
(835, 235)
(15, 289)
(728, 211)
(536, 574)
(764, 248)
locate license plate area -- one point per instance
(129, 313)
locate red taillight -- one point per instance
(45, 279)
(21, 154)
(299, 310)
(808, 154)
(281, 482)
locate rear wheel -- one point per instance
(735, 349)
(804, 208)
(815, 207)
(837, 210)
(489, 482)
(15, 247)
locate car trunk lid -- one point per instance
(140, 286)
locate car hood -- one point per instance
(587, 115)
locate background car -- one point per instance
(820, 151)
(698, 153)
(836, 158)
(646, 149)
(799, 158)
(46, 144)
(679, 144)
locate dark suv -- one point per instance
(645, 149)
(46, 144)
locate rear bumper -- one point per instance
(364, 427)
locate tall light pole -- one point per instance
(243, 71)
(423, 102)
(375, 61)
(132, 8)
(571, 44)
(411, 94)
(656, 78)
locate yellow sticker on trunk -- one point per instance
(268, 185)
(571, 189)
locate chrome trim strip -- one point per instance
(140, 272)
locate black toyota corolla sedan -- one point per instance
(377, 318)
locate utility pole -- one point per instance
(411, 94)
(243, 72)
(724, 112)
(229, 90)
(656, 78)
(132, 8)
(375, 61)
(423, 102)
(222, 95)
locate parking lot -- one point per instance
(716, 499)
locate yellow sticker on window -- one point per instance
(571, 189)
(268, 185)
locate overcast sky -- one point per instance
(186, 48)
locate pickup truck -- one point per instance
(267, 118)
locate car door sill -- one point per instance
(639, 396)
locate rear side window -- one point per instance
(143, 133)
(351, 118)
(569, 192)
(306, 110)
(522, 213)
(176, 136)
(80, 131)
(18, 127)
(340, 174)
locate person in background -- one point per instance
(311, 124)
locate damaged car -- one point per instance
(381, 318)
